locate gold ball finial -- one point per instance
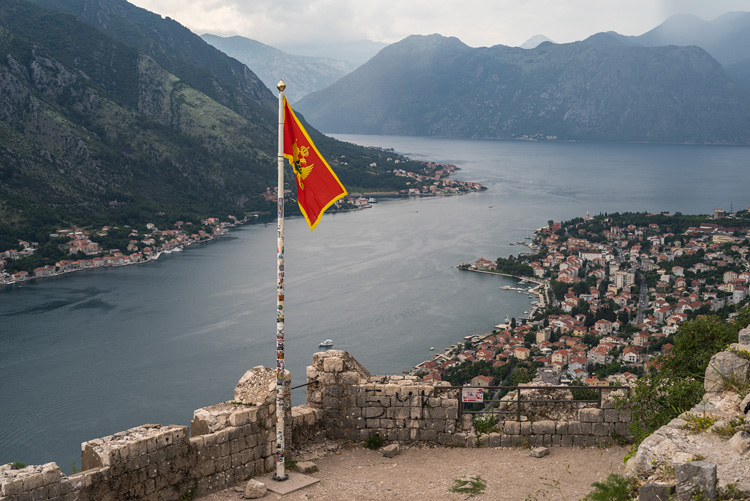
(281, 86)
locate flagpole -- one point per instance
(280, 473)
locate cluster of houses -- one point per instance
(647, 279)
(86, 253)
(436, 182)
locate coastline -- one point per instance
(540, 290)
(221, 231)
(118, 259)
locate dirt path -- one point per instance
(355, 473)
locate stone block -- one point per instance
(392, 450)
(740, 442)
(428, 435)
(373, 412)
(372, 423)
(695, 477)
(744, 336)
(655, 492)
(566, 441)
(512, 441)
(306, 467)
(543, 427)
(724, 365)
(600, 429)
(561, 427)
(622, 429)
(333, 364)
(525, 428)
(495, 439)
(584, 440)
(539, 452)
(512, 428)
(349, 378)
(589, 415)
(254, 489)
(611, 416)
(578, 428)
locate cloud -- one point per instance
(478, 23)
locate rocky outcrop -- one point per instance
(713, 432)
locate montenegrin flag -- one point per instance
(318, 187)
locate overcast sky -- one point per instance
(476, 23)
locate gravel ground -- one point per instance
(355, 473)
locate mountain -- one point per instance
(535, 41)
(600, 89)
(726, 38)
(357, 52)
(302, 74)
(110, 114)
(85, 120)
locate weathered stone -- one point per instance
(725, 365)
(391, 451)
(306, 467)
(258, 384)
(539, 452)
(744, 336)
(591, 415)
(543, 428)
(255, 489)
(745, 404)
(740, 442)
(696, 477)
(512, 428)
(655, 492)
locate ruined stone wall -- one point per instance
(229, 442)
(356, 405)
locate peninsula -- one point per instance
(613, 291)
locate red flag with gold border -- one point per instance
(318, 187)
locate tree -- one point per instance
(674, 383)
(529, 339)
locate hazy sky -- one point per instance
(477, 22)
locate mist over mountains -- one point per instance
(605, 88)
(102, 101)
(302, 74)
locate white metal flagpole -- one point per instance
(280, 473)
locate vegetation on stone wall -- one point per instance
(674, 382)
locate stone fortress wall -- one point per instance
(230, 442)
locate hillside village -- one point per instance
(84, 250)
(613, 290)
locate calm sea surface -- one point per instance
(96, 352)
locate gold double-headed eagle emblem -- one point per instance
(299, 163)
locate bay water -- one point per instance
(96, 352)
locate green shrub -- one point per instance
(696, 424)
(615, 488)
(729, 429)
(485, 424)
(374, 442)
(17, 465)
(471, 486)
(674, 382)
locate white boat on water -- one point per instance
(432, 347)
(371, 201)
(327, 343)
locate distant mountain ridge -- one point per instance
(535, 41)
(603, 89)
(103, 102)
(726, 38)
(302, 74)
